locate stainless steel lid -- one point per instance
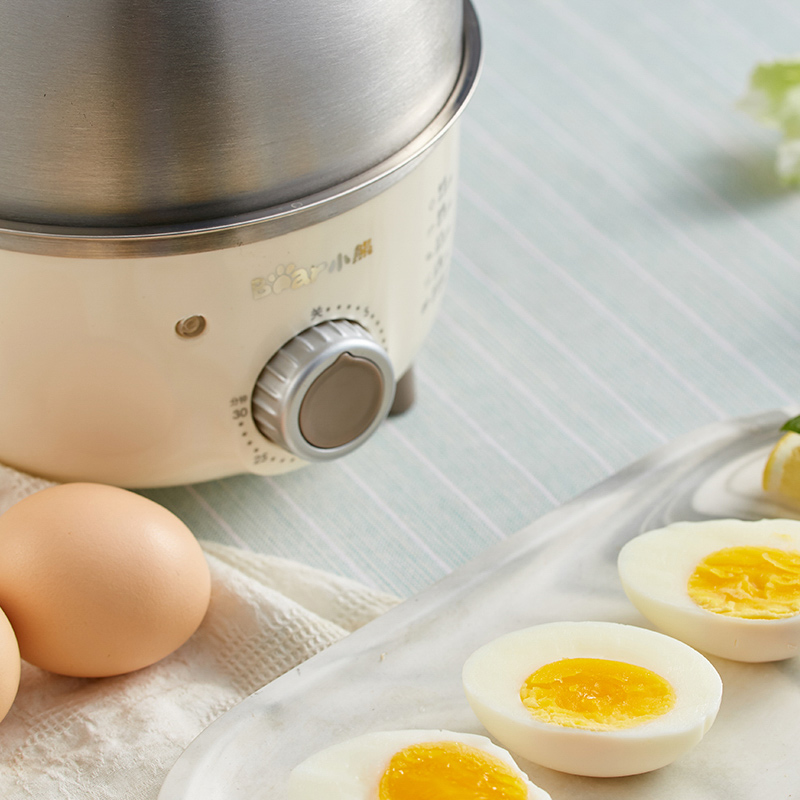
(144, 114)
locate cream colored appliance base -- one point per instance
(140, 372)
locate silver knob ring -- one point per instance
(282, 386)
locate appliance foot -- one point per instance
(403, 393)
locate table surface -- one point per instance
(625, 271)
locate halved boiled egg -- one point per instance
(412, 765)
(593, 698)
(727, 587)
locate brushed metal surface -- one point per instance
(138, 112)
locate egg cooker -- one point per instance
(226, 227)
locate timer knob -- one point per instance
(324, 392)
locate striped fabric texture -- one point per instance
(626, 269)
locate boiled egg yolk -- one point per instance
(748, 582)
(728, 587)
(448, 771)
(596, 694)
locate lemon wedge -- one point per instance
(782, 470)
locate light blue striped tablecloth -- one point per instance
(627, 269)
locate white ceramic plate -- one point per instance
(403, 670)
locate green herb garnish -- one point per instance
(774, 100)
(792, 424)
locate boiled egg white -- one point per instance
(412, 765)
(727, 587)
(593, 698)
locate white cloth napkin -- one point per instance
(109, 738)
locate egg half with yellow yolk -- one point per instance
(412, 765)
(727, 587)
(593, 698)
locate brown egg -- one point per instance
(98, 581)
(9, 665)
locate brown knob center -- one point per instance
(342, 402)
